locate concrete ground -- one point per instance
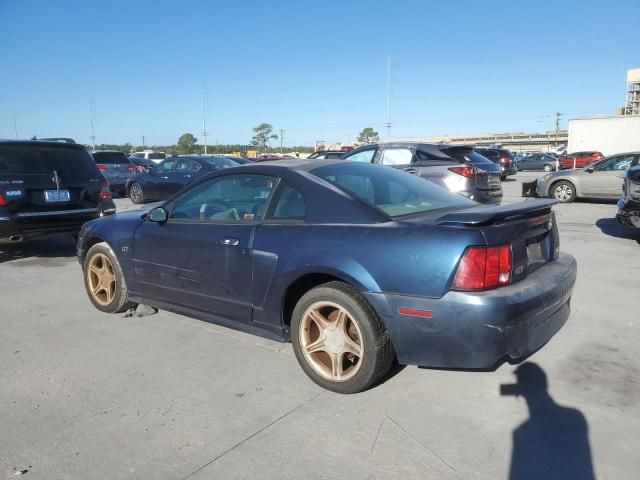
(86, 395)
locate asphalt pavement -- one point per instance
(86, 395)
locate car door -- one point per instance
(201, 257)
(181, 175)
(604, 178)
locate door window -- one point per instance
(290, 205)
(184, 165)
(232, 198)
(396, 156)
(621, 162)
(363, 156)
(165, 167)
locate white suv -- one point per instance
(152, 155)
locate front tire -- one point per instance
(548, 168)
(339, 340)
(564, 192)
(136, 194)
(104, 280)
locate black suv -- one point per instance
(48, 187)
(501, 157)
(455, 167)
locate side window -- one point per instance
(184, 165)
(166, 166)
(363, 156)
(622, 162)
(290, 205)
(232, 198)
(396, 156)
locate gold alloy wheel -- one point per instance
(102, 279)
(331, 341)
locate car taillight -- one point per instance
(2, 202)
(505, 160)
(132, 168)
(468, 172)
(105, 193)
(482, 268)
(138, 168)
(101, 166)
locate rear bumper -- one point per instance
(484, 196)
(476, 330)
(629, 212)
(29, 225)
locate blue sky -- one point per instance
(315, 69)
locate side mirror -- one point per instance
(589, 169)
(158, 215)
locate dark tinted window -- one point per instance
(184, 165)
(32, 159)
(166, 166)
(157, 156)
(110, 157)
(392, 191)
(290, 205)
(467, 155)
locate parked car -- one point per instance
(579, 159)
(501, 157)
(152, 155)
(166, 178)
(353, 263)
(629, 204)
(538, 161)
(599, 180)
(269, 158)
(48, 188)
(240, 160)
(455, 167)
(116, 168)
(326, 154)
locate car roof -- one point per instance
(41, 143)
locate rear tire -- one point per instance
(136, 194)
(563, 191)
(339, 340)
(104, 280)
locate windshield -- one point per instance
(220, 162)
(467, 155)
(37, 159)
(396, 193)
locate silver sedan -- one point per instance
(602, 179)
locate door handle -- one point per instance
(164, 178)
(411, 170)
(230, 241)
(187, 176)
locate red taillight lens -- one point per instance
(131, 168)
(506, 160)
(138, 168)
(468, 172)
(101, 166)
(105, 193)
(2, 202)
(483, 267)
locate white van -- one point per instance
(152, 155)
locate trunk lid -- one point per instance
(529, 227)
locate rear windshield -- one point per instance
(110, 157)
(33, 159)
(466, 155)
(395, 193)
(157, 156)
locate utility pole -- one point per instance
(93, 133)
(204, 119)
(388, 124)
(281, 139)
(558, 115)
(144, 141)
(15, 124)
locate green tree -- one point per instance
(263, 134)
(187, 143)
(368, 135)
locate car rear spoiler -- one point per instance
(486, 215)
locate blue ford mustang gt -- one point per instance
(354, 263)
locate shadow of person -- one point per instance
(554, 441)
